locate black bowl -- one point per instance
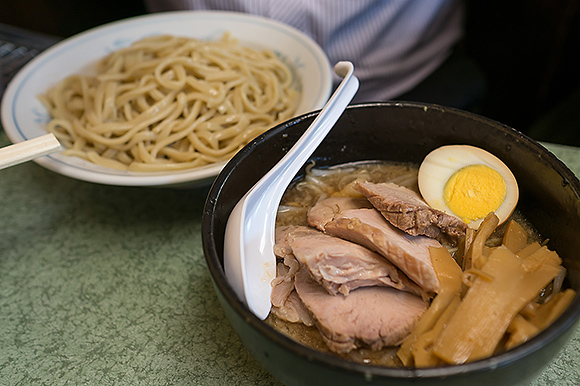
(549, 197)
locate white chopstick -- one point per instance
(30, 149)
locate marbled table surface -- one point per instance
(105, 285)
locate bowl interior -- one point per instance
(549, 191)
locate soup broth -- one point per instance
(319, 184)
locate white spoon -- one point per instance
(250, 264)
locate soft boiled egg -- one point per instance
(468, 183)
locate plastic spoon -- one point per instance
(30, 149)
(250, 264)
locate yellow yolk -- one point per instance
(473, 191)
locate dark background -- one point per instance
(529, 52)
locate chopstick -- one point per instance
(25, 151)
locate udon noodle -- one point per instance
(171, 103)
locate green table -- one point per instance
(108, 285)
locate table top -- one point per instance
(108, 285)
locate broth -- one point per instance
(319, 184)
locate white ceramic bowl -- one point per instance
(24, 117)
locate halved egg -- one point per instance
(468, 183)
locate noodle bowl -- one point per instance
(171, 103)
(402, 132)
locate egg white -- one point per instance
(439, 165)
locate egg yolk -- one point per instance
(473, 191)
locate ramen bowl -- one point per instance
(25, 117)
(549, 198)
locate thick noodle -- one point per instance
(171, 103)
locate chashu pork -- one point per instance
(326, 209)
(406, 210)
(342, 266)
(369, 228)
(373, 317)
(286, 304)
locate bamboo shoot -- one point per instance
(515, 237)
(450, 282)
(488, 307)
(476, 257)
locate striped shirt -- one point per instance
(394, 44)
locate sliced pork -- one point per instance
(406, 210)
(369, 228)
(284, 237)
(342, 266)
(373, 317)
(320, 214)
(339, 265)
(286, 304)
(292, 309)
(283, 284)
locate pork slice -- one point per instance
(284, 235)
(410, 254)
(406, 210)
(283, 284)
(285, 304)
(325, 210)
(373, 317)
(342, 266)
(293, 310)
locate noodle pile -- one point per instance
(170, 103)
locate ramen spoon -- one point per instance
(250, 264)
